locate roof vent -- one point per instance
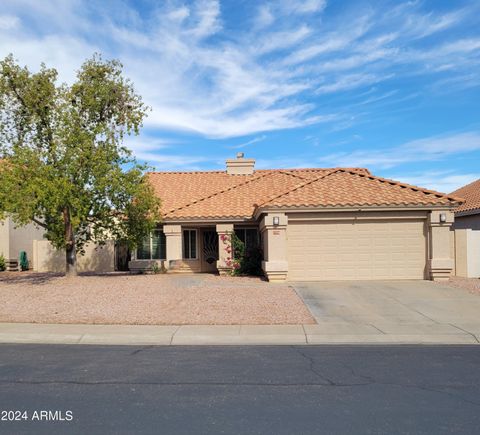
(240, 165)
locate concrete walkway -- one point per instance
(325, 333)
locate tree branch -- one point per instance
(39, 223)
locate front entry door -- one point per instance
(209, 250)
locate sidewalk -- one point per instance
(323, 333)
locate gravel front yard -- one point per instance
(148, 300)
(470, 284)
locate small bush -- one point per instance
(246, 261)
(3, 264)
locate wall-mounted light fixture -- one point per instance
(443, 217)
(276, 220)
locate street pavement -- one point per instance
(241, 389)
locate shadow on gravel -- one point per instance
(35, 278)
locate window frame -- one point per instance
(189, 230)
(150, 237)
(245, 235)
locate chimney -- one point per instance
(240, 165)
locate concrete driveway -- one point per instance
(412, 311)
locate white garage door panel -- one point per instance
(376, 249)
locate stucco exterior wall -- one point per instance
(21, 239)
(14, 239)
(467, 253)
(4, 238)
(464, 222)
(96, 259)
(429, 248)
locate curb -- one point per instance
(28, 333)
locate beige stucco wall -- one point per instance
(96, 259)
(467, 253)
(21, 239)
(4, 238)
(274, 236)
(416, 241)
(14, 239)
(440, 260)
(464, 222)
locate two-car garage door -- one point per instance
(356, 249)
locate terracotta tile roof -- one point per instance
(215, 194)
(471, 193)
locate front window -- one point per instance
(153, 247)
(190, 244)
(249, 237)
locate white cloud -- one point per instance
(264, 16)
(199, 75)
(250, 142)
(8, 22)
(445, 182)
(171, 162)
(351, 81)
(304, 6)
(284, 39)
(426, 149)
(207, 23)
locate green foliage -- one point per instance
(155, 268)
(23, 261)
(246, 261)
(64, 164)
(3, 264)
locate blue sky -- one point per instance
(392, 86)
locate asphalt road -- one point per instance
(241, 390)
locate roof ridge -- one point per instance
(372, 177)
(220, 192)
(223, 171)
(213, 171)
(298, 187)
(409, 186)
(288, 172)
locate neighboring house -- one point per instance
(467, 215)
(14, 239)
(467, 231)
(41, 255)
(313, 224)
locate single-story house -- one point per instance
(313, 224)
(467, 215)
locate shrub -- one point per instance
(245, 261)
(3, 264)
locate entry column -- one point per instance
(173, 236)
(440, 259)
(273, 229)
(225, 253)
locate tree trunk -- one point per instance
(71, 255)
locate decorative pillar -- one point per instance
(273, 228)
(225, 253)
(440, 261)
(173, 236)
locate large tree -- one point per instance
(63, 163)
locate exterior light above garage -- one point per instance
(443, 217)
(276, 220)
